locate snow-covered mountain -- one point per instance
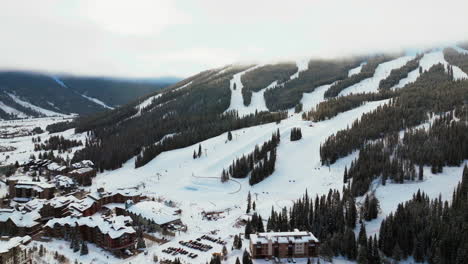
(395, 127)
(24, 94)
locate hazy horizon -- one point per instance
(148, 39)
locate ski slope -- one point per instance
(427, 61)
(355, 70)
(302, 65)
(382, 72)
(237, 101)
(311, 100)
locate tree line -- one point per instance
(336, 105)
(319, 72)
(367, 71)
(434, 92)
(444, 143)
(398, 74)
(260, 163)
(56, 143)
(430, 231)
(259, 78)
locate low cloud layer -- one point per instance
(147, 38)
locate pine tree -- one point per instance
(246, 258)
(248, 229)
(194, 154)
(237, 260)
(421, 173)
(254, 205)
(199, 150)
(362, 238)
(229, 136)
(249, 202)
(141, 242)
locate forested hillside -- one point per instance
(35, 94)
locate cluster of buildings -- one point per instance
(297, 244)
(106, 218)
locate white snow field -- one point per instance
(427, 61)
(24, 146)
(356, 70)
(302, 65)
(382, 72)
(311, 100)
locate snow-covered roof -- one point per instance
(157, 212)
(35, 205)
(53, 166)
(283, 237)
(82, 204)
(37, 186)
(128, 192)
(21, 219)
(63, 181)
(114, 226)
(81, 170)
(82, 164)
(6, 245)
(60, 201)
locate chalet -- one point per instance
(153, 215)
(113, 233)
(118, 196)
(55, 168)
(26, 190)
(84, 207)
(64, 183)
(57, 207)
(83, 175)
(299, 244)
(14, 251)
(19, 223)
(95, 201)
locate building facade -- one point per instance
(13, 251)
(113, 233)
(297, 244)
(24, 191)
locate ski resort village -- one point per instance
(306, 161)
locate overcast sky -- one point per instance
(151, 38)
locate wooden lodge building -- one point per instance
(297, 244)
(14, 251)
(113, 233)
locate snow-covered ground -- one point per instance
(427, 61)
(11, 110)
(356, 70)
(24, 146)
(195, 186)
(382, 72)
(302, 65)
(311, 100)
